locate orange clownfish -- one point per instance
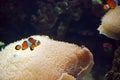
(111, 4)
(34, 43)
(30, 43)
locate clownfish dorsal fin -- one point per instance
(32, 40)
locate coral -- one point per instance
(114, 73)
(51, 60)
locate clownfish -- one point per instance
(111, 4)
(34, 43)
(30, 43)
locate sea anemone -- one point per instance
(110, 25)
(51, 60)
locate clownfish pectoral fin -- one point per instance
(32, 47)
(18, 47)
(24, 45)
(106, 7)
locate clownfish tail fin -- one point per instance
(18, 47)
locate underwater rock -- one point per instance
(110, 25)
(114, 73)
(51, 60)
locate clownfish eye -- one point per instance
(17, 47)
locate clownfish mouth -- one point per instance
(30, 43)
